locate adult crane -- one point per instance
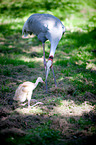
(46, 27)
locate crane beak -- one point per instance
(49, 64)
(47, 72)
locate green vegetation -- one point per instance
(68, 116)
(39, 136)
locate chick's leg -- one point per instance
(29, 98)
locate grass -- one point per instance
(46, 136)
(15, 62)
(68, 116)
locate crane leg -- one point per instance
(28, 103)
(44, 64)
(54, 77)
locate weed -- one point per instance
(82, 122)
(5, 89)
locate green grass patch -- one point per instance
(82, 122)
(6, 61)
(39, 136)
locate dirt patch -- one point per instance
(12, 131)
(57, 90)
(90, 96)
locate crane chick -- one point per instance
(25, 90)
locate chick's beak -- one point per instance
(43, 82)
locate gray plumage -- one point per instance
(45, 26)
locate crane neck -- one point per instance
(54, 44)
(36, 83)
